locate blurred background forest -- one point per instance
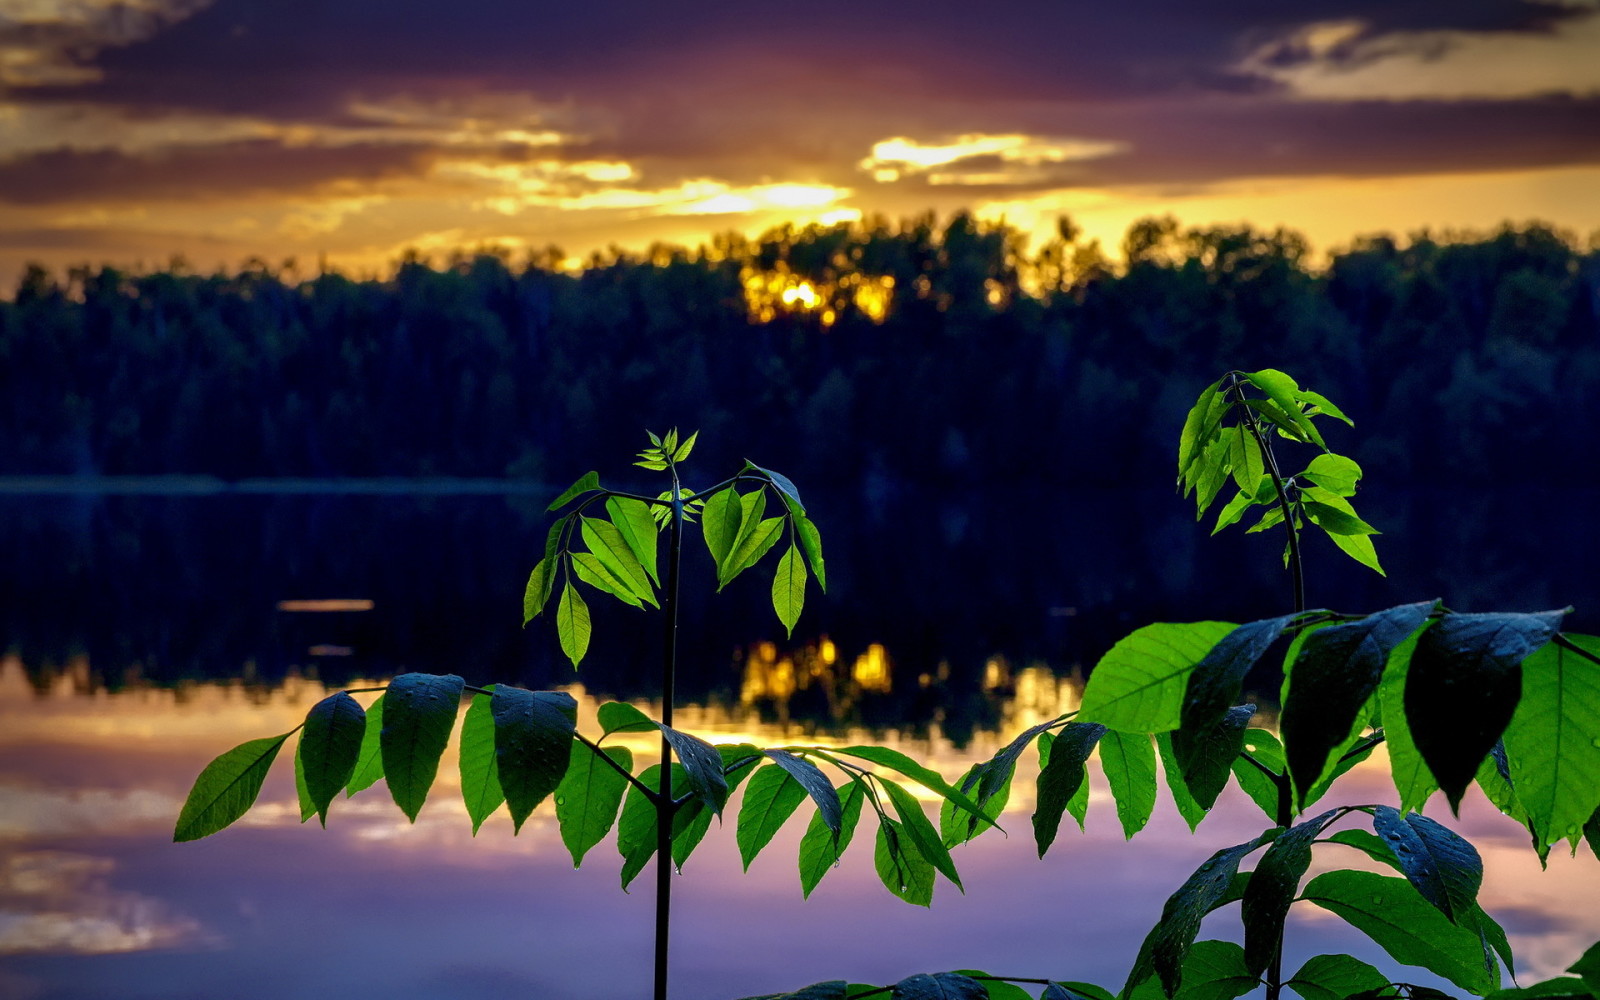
(886, 354)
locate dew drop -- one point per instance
(1595, 742)
(1377, 900)
(677, 869)
(836, 863)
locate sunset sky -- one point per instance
(133, 130)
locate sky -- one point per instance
(342, 133)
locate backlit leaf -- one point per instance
(621, 717)
(369, 765)
(1463, 686)
(811, 545)
(896, 761)
(1191, 811)
(1265, 749)
(789, 588)
(308, 808)
(900, 866)
(330, 748)
(1129, 763)
(1199, 426)
(1212, 970)
(750, 547)
(1553, 742)
(572, 624)
(607, 543)
(637, 526)
(588, 797)
(820, 847)
(1412, 778)
(771, 799)
(588, 482)
(719, 523)
(1334, 473)
(1335, 521)
(480, 785)
(814, 782)
(914, 825)
(595, 573)
(226, 788)
(532, 745)
(1285, 392)
(418, 713)
(1335, 977)
(1138, 686)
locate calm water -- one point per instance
(142, 635)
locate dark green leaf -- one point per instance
(572, 624)
(939, 986)
(1591, 833)
(1335, 977)
(1211, 754)
(1212, 970)
(1588, 966)
(588, 797)
(589, 481)
(1272, 887)
(636, 828)
(996, 989)
(418, 713)
(1553, 742)
(1061, 774)
(1463, 686)
(532, 745)
(369, 766)
(480, 784)
(1068, 990)
(787, 488)
(987, 779)
(834, 989)
(957, 826)
(1214, 686)
(330, 748)
(1165, 947)
(621, 717)
(914, 825)
(821, 847)
(789, 589)
(900, 866)
(1369, 844)
(1129, 763)
(308, 808)
(1331, 681)
(1560, 988)
(704, 766)
(1444, 868)
(227, 788)
(771, 799)
(814, 782)
(1138, 686)
(1405, 925)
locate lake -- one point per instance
(145, 632)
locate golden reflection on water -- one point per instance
(90, 783)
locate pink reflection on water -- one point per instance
(96, 900)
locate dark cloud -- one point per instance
(248, 168)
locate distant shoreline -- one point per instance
(177, 485)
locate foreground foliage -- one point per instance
(1503, 701)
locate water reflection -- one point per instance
(96, 901)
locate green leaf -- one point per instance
(956, 826)
(1263, 791)
(815, 783)
(1279, 418)
(369, 765)
(762, 536)
(939, 986)
(330, 748)
(1443, 868)
(636, 828)
(227, 788)
(588, 797)
(1463, 687)
(703, 765)
(1212, 474)
(637, 526)
(308, 808)
(1405, 925)
(1211, 754)
(542, 581)
(1588, 966)
(1560, 988)
(1335, 521)
(896, 761)
(915, 825)
(785, 486)
(1334, 473)
(532, 745)
(1213, 689)
(900, 866)
(1271, 519)
(480, 784)
(789, 588)
(1359, 548)
(811, 545)
(1068, 990)
(1129, 763)
(419, 712)
(1272, 887)
(1553, 742)
(1591, 833)
(834, 989)
(621, 717)
(996, 989)
(1191, 811)
(1165, 947)
(1411, 776)
(1335, 977)
(1285, 392)
(686, 448)
(572, 624)
(1212, 970)
(1330, 683)
(1245, 457)
(606, 541)
(771, 799)
(1061, 774)
(1322, 404)
(1138, 686)
(594, 572)
(587, 482)
(1234, 510)
(821, 847)
(719, 524)
(1199, 426)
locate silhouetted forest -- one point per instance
(869, 353)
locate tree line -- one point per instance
(877, 354)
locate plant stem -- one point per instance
(1296, 569)
(664, 806)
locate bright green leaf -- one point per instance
(789, 588)
(1138, 686)
(587, 482)
(369, 765)
(572, 624)
(1335, 977)
(820, 847)
(480, 784)
(589, 795)
(226, 788)
(1553, 742)
(637, 526)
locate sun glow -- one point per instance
(1018, 156)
